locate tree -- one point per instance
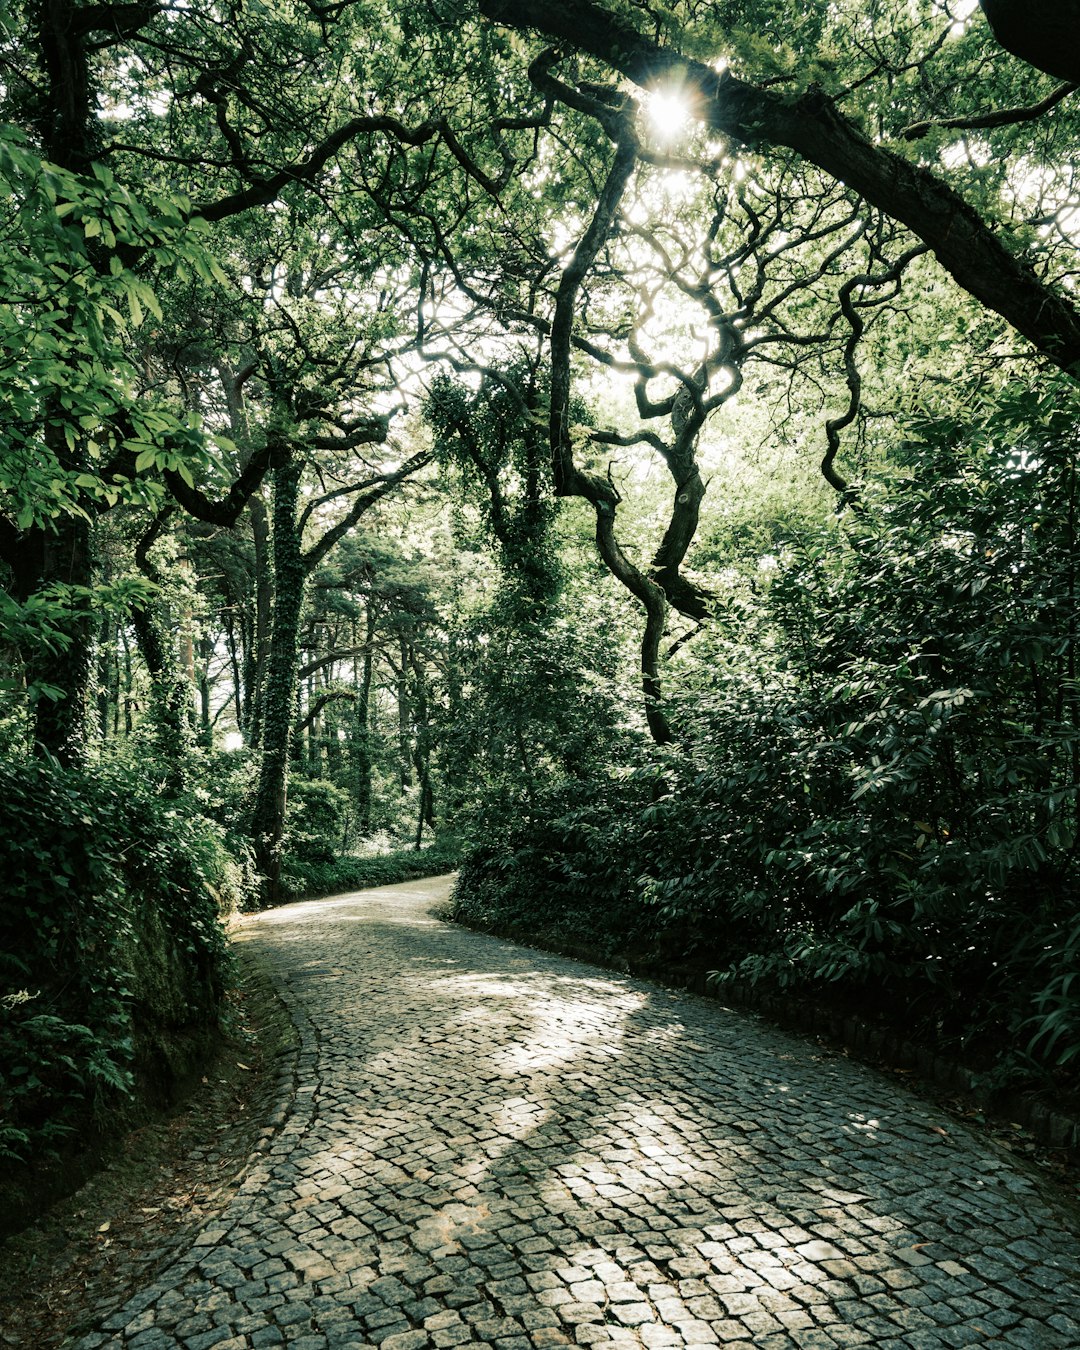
(811, 124)
(293, 564)
(134, 129)
(1045, 34)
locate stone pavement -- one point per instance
(485, 1146)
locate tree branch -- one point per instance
(225, 512)
(1005, 117)
(319, 704)
(377, 489)
(812, 126)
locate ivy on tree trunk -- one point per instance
(279, 687)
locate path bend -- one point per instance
(493, 1148)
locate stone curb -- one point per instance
(172, 1260)
(875, 1043)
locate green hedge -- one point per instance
(305, 880)
(112, 949)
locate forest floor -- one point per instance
(90, 1251)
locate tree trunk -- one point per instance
(62, 552)
(257, 653)
(129, 685)
(1044, 33)
(361, 738)
(60, 555)
(570, 481)
(422, 751)
(404, 739)
(206, 655)
(332, 742)
(106, 655)
(236, 671)
(316, 731)
(279, 683)
(169, 692)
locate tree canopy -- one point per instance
(633, 443)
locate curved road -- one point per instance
(492, 1147)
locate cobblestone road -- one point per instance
(489, 1147)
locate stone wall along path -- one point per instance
(487, 1146)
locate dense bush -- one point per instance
(931, 656)
(314, 821)
(548, 774)
(560, 868)
(111, 944)
(876, 789)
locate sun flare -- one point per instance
(668, 114)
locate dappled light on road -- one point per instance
(489, 1146)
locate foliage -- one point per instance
(871, 723)
(559, 870)
(64, 331)
(877, 785)
(111, 943)
(495, 438)
(546, 773)
(302, 880)
(314, 820)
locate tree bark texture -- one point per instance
(61, 554)
(360, 740)
(572, 481)
(404, 718)
(279, 685)
(257, 650)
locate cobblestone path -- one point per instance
(490, 1147)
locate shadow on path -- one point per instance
(492, 1146)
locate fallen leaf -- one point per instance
(246, 1067)
(938, 1130)
(105, 1226)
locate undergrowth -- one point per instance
(303, 879)
(112, 949)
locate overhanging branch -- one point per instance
(968, 249)
(1003, 117)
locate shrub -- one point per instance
(311, 880)
(878, 784)
(560, 865)
(111, 943)
(315, 820)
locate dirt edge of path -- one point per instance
(90, 1251)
